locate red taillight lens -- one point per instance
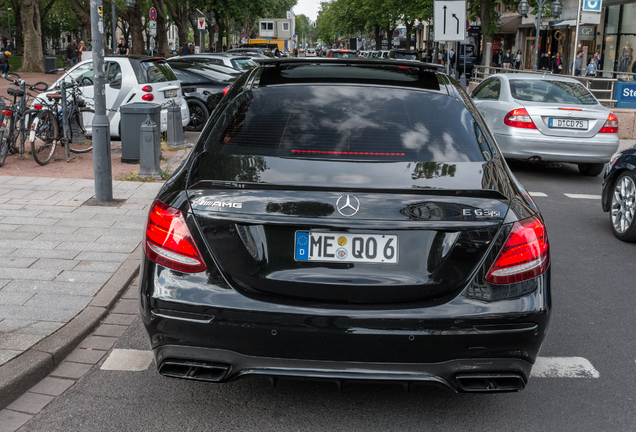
(148, 97)
(525, 254)
(519, 118)
(611, 125)
(147, 89)
(225, 90)
(168, 240)
(37, 106)
(6, 112)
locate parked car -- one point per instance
(128, 79)
(310, 52)
(203, 88)
(619, 194)
(550, 118)
(387, 241)
(208, 65)
(404, 54)
(251, 51)
(239, 62)
(342, 53)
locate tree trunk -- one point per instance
(389, 37)
(409, 28)
(17, 32)
(378, 38)
(32, 60)
(179, 11)
(82, 10)
(162, 29)
(485, 27)
(136, 30)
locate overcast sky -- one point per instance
(307, 7)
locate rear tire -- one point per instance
(592, 169)
(4, 149)
(198, 115)
(83, 118)
(623, 208)
(46, 136)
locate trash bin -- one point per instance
(133, 115)
(50, 64)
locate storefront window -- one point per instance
(629, 18)
(613, 12)
(626, 53)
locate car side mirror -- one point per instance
(116, 84)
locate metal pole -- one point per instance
(101, 136)
(576, 38)
(114, 14)
(535, 66)
(65, 125)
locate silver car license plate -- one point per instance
(170, 93)
(567, 123)
(345, 247)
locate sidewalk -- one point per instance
(63, 265)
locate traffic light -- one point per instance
(314, 24)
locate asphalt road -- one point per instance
(593, 318)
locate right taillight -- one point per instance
(168, 240)
(6, 112)
(519, 118)
(524, 256)
(149, 97)
(225, 90)
(611, 125)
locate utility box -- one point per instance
(50, 65)
(133, 116)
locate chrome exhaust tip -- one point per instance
(196, 371)
(492, 383)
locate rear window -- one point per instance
(405, 56)
(157, 71)
(244, 64)
(347, 122)
(343, 55)
(548, 91)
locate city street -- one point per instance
(592, 327)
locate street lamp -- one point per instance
(524, 8)
(420, 27)
(130, 3)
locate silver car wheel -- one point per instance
(623, 204)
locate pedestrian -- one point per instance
(544, 62)
(80, 50)
(518, 59)
(592, 67)
(185, 50)
(4, 62)
(497, 59)
(71, 53)
(122, 48)
(191, 48)
(577, 63)
(90, 46)
(557, 64)
(507, 59)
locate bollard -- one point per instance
(462, 81)
(175, 126)
(150, 151)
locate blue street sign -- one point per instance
(295, 36)
(592, 6)
(338, 36)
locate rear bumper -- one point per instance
(191, 321)
(530, 143)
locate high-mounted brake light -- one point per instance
(611, 125)
(225, 90)
(148, 97)
(7, 112)
(147, 89)
(346, 153)
(37, 106)
(519, 118)
(524, 256)
(571, 109)
(168, 240)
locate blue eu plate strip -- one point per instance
(551, 120)
(302, 246)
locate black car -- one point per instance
(404, 54)
(342, 53)
(203, 87)
(619, 194)
(346, 219)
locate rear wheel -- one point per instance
(82, 130)
(624, 207)
(43, 136)
(592, 169)
(198, 115)
(4, 148)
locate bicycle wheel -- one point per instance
(11, 134)
(43, 136)
(81, 123)
(4, 148)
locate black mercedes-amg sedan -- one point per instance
(346, 219)
(619, 194)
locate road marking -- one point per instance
(128, 360)
(537, 194)
(582, 196)
(563, 367)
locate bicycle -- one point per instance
(16, 117)
(46, 125)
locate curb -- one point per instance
(26, 370)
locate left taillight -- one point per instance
(611, 125)
(225, 90)
(519, 118)
(524, 256)
(168, 240)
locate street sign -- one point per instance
(152, 31)
(216, 37)
(216, 29)
(100, 11)
(152, 25)
(449, 17)
(289, 14)
(396, 33)
(201, 23)
(592, 6)
(295, 36)
(372, 36)
(153, 14)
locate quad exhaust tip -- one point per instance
(504, 382)
(196, 371)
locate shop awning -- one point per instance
(510, 24)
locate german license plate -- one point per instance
(567, 123)
(340, 247)
(170, 93)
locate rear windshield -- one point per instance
(405, 56)
(548, 91)
(335, 54)
(244, 64)
(347, 122)
(157, 71)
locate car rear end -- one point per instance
(377, 244)
(348, 54)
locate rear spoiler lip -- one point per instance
(359, 61)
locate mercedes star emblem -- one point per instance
(348, 205)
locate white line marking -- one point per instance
(582, 196)
(563, 367)
(128, 360)
(537, 194)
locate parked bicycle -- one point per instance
(47, 128)
(16, 118)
